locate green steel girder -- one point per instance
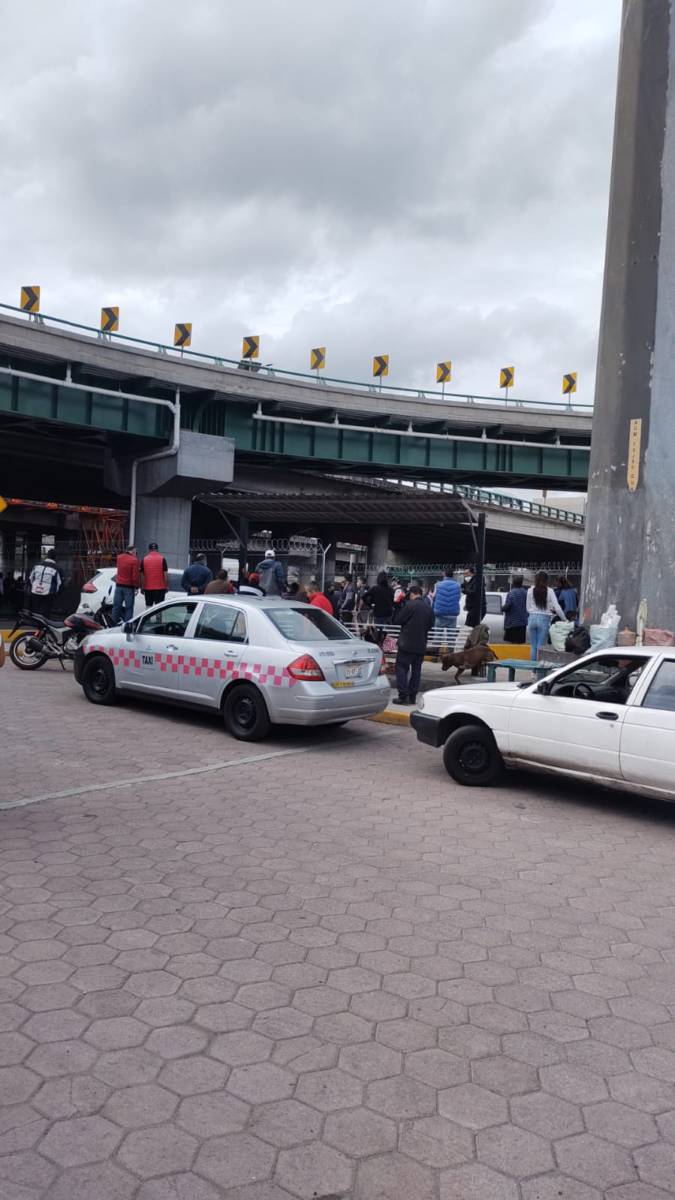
(69, 406)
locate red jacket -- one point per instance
(321, 601)
(128, 570)
(154, 567)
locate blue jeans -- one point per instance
(446, 622)
(123, 604)
(538, 626)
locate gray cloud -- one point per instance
(428, 180)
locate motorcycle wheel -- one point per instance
(22, 657)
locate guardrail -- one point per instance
(532, 508)
(431, 394)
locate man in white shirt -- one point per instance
(45, 582)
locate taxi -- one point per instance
(260, 661)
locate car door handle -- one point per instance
(169, 646)
(607, 716)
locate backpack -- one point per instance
(578, 642)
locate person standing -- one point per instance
(567, 597)
(380, 599)
(542, 605)
(271, 575)
(220, 586)
(195, 577)
(515, 613)
(348, 604)
(415, 619)
(318, 599)
(44, 581)
(475, 604)
(127, 582)
(154, 576)
(447, 601)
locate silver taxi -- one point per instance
(262, 662)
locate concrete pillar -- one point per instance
(165, 520)
(378, 549)
(630, 527)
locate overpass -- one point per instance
(69, 396)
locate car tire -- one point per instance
(471, 757)
(98, 680)
(245, 713)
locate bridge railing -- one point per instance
(432, 395)
(476, 495)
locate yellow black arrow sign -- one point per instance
(30, 299)
(443, 372)
(317, 358)
(110, 320)
(182, 334)
(250, 347)
(569, 383)
(380, 365)
(506, 377)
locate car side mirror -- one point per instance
(128, 627)
(544, 688)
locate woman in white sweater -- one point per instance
(542, 604)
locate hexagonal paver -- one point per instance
(353, 979)
(235, 1160)
(260, 1082)
(555, 1186)
(359, 1132)
(261, 996)
(159, 1150)
(329, 1090)
(438, 1068)
(122, 1068)
(641, 1091)
(80, 1140)
(176, 1041)
(570, 1082)
(313, 1170)
(61, 1058)
(59, 1025)
(190, 1076)
(656, 1165)
(241, 1047)
(104, 1180)
(405, 1034)
(394, 1177)
(116, 1033)
(472, 1106)
(342, 1028)
(618, 1123)
(401, 1098)
(165, 1010)
(497, 1018)
(144, 1104)
(504, 1075)
(285, 1123)
(475, 1181)
(148, 984)
(370, 1060)
(223, 1018)
(436, 1142)
(468, 1042)
(547, 1115)
(514, 1151)
(282, 1023)
(212, 1114)
(594, 1160)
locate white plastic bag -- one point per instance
(603, 636)
(558, 632)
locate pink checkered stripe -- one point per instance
(184, 664)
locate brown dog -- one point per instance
(465, 660)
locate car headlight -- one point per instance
(420, 702)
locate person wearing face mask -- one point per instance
(475, 604)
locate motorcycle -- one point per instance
(52, 640)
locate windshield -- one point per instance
(307, 624)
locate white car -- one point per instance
(259, 661)
(494, 616)
(609, 718)
(100, 590)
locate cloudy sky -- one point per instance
(426, 178)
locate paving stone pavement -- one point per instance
(333, 974)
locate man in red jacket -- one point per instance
(318, 599)
(127, 581)
(154, 576)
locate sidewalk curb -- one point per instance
(391, 718)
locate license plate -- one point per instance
(353, 672)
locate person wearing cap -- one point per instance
(127, 582)
(195, 577)
(154, 576)
(271, 575)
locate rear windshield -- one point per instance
(306, 624)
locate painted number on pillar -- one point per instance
(633, 461)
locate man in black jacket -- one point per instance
(416, 619)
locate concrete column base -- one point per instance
(165, 520)
(378, 551)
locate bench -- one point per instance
(515, 664)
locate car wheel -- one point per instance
(246, 716)
(23, 657)
(471, 757)
(98, 680)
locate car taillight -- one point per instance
(89, 587)
(383, 666)
(306, 668)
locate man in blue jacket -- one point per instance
(515, 613)
(447, 602)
